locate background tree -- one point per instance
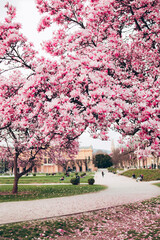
(102, 160)
(4, 163)
(86, 162)
(124, 157)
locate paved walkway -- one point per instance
(121, 190)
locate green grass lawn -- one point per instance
(157, 184)
(148, 174)
(31, 192)
(45, 179)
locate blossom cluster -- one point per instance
(107, 74)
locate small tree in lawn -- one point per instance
(32, 114)
(86, 162)
(25, 130)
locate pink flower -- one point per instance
(61, 231)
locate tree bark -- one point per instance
(15, 185)
(16, 175)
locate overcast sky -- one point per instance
(28, 16)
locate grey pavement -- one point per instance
(121, 190)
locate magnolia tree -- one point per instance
(34, 112)
(143, 149)
(111, 51)
(107, 74)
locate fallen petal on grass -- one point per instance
(138, 221)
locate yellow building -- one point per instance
(148, 162)
(82, 162)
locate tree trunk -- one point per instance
(157, 162)
(16, 175)
(15, 185)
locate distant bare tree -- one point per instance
(125, 158)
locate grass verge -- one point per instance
(45, 179)
(157, 184)
(29, 192)
(148, 174)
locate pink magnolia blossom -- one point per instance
(107, 74)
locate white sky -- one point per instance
(28, 16)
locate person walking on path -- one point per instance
(102, 174)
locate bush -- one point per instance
(75, 181)
(112, 169)
(91, 181)
(67, 174)
(83, 174)
(34, 174)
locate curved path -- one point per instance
(121, 190)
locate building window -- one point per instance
(45, 154)
(45, 161)
(49, 160)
